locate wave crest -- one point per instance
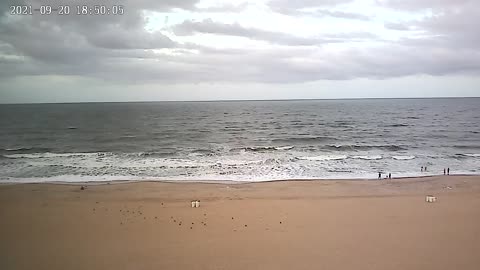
(324, 158)
(356, 147)
(51, 155)
(469, 155)
(404, 157)
(377, 157)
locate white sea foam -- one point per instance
(50, 155)
(284, 147)
(208, 177)
(18, 148)
(376, 157)
(67, 178)
(238, 162)
(404, 157)
(324, 158)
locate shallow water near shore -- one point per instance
(239, 141)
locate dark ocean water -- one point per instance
(248, 140)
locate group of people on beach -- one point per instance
(446, 171)
(389, 176)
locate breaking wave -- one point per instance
(52, 155)
(467, 146)
(17, 149)
(355, 147)
(368, 157)
(305, 139)
(469, 155)
(266, 148)
(324, 158)
(285, 147)
(397, 125)
(404, 157)
(26, 149)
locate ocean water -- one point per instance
(241, 141)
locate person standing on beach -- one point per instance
(389, 175)
(379, 175)
(444, 171)
(421, 169)
(425, 169)
(448, 171)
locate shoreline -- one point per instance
(230, 182)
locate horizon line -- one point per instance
(237, 100)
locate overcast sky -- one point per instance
(263, 49)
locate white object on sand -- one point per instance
(430, 198)
(195, 203)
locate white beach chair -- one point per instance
(430, 199)
(195, 203)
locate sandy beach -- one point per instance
(273, 225)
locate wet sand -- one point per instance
(273, 225)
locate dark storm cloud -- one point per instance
(76, 38)
(78, 45)
(285, 65)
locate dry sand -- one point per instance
(276, 225)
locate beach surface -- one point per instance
(271, 225)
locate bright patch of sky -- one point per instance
(258, 15)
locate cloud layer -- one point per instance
(444, 40)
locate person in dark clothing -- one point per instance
(425, 169)
(444, 171)
(389, 176)
(379, 175)
(448, 171)
(421, 169)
